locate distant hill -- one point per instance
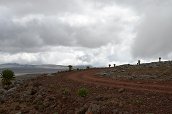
(32, 69)
(16, 65)
(20, 69)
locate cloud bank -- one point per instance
(96, 32)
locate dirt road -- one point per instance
(89, 76)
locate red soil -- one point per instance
(136, 97)
(90, 78)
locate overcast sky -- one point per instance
(95, 32)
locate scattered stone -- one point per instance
(2, 99)
(81, 110)
(19, 112)
(25, 96)
(70, 112)
(18, 82)
(93, 109)
(2, 91)
(122, 70)
(121, 104)
(100, 98)
(33, 91)
(11, 86)
(10, 92)
(121, 90)
(115, 111)
(6, 87)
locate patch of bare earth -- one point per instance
(58, 94)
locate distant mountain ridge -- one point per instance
(21, 69)
(16, 65)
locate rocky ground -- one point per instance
(150, 71)
(126, 89)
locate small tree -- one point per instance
(70, 67)
(109, 65)
(114, 65)
(138, 62)
(159, 59)
(88, 67)
(7, 76)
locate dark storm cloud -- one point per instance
(31, 26)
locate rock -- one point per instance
(36, 84)
(10, 92)
(39, 97)
(6, 87)
(33, 91)
(93, 109)
(25, 96)
(115, 111)
(120, 104)
(82, 110)
(11, 86)
(2, 99)
(70, 112)
(19, 112)
(50, 74)
(122, 70)
(48, 101)
(17, 107)
(121, 90)
(100, 98)
(18, 82)
(2, 91)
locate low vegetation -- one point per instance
(7, 75)
(66, 91)
(82, 92)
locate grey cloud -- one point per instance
(154, 33)
(24, 7)
(35, 26)
(35, 32)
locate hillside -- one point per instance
(125, 89)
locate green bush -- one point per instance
(66, 91)
(82, 92)
(88, 67)
(7, 76)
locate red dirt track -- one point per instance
(89, 77)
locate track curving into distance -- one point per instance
(89, 77)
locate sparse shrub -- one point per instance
(82, 92)
(7, 76)
(159, 59)
(137, 101)
(66, 91)
(88, 67)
